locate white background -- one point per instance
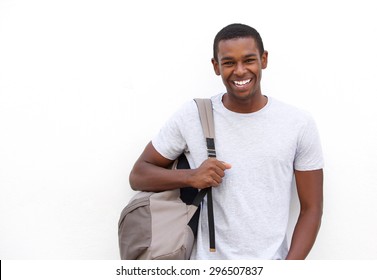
(84, 85)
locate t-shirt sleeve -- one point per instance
(309, 151)
(169, 141)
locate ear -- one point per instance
(216, 66)
(264, 59)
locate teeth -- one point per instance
(241, 83)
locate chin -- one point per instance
(242, 95)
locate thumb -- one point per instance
(227, 165)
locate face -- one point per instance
(240, 66)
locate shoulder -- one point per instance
(292, 119)
(290, 113)
(186, 111)
(189, 110)
(287, 108)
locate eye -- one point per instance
(228, 63)
(250, 60)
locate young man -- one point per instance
(261, 144)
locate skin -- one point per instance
(310, 193)
(238, 61)
(150, 174)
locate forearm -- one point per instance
(305, 234)
(149, 177)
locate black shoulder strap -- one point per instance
(207, 121)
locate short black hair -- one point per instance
(237, 30)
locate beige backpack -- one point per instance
(163, 225)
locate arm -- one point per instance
(310, 193)
(150, 173)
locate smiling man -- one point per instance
(239, 61)
(262, 144)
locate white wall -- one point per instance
(84, 85)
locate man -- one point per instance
(261, 145)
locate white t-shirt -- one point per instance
(251, 206)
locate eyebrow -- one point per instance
(246, 56)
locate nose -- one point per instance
(240, 69)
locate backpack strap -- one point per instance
(208, 125)
(207, 121)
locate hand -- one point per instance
(208, 174)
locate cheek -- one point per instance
(225, 81)
(225, 73)
(257, 71)
(225, 77)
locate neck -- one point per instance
(244, 106)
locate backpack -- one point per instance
(163, 225)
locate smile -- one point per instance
(241, 83)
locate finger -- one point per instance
(216, 180)
(223, 165)
(226, 165)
